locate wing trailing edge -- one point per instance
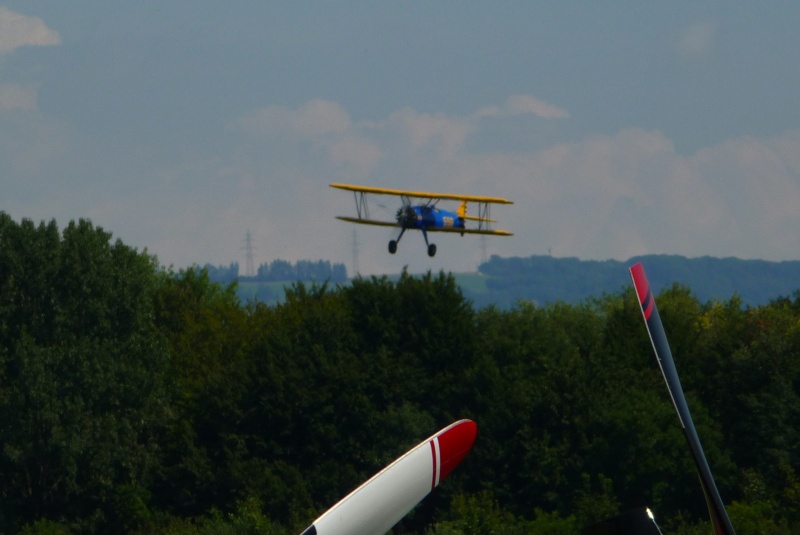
(485, 232)
(374, 222)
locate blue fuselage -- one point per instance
(431, 217)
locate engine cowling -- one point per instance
(406, 217)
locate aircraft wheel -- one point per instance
(432, 249)
(392, 246)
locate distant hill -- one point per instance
(546, 279)
(269, 283)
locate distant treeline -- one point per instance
(545, 279)
(282, 271)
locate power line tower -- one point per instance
(355, 254)
(484, 258)
(249, 268)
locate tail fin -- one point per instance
(716, 509)
(462, 215)
(462, 210)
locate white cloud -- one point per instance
(357, 154)
(17, 97)
(631, 193)
(697, 41)
(313, 120)
(18, 30)
(609, 196)
(520, 105)
(758, 186)
(319, 118)
(324, 125)
(446, 135)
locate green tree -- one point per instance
(81, 373)
(208, 334)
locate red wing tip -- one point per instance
(640, 283)
(455, 442)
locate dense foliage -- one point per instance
(138, 400)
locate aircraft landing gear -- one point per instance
(393, 243)
(431, 246)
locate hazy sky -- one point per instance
(618, 128)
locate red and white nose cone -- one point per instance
(389, 495)
(450, 447)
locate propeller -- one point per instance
(406, 216)
(658, 337)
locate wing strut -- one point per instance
(361, 204)
(483, 215)
(716, 509)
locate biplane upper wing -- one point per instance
(421, 194)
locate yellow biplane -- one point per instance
(425, 215)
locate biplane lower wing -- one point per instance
(485, 232)
(368, 221)
(478, 219)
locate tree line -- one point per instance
(135, 399)
(282, 271)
